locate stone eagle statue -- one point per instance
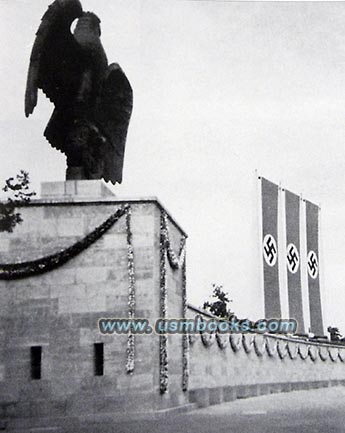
(93, 100)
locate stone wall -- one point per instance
(59, 311)
(224, 367)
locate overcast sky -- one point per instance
(220, 89)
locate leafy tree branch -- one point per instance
(219, 307)
(18, 190)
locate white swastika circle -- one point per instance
(270, 250)
(313, 264)
(292, 258)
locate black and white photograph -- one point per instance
(172, 207)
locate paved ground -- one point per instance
(315, 411)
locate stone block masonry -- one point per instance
(57, 311)
(77, 258)
(224, 367)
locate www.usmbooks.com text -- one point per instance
(194, 326)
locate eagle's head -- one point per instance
(88, 23)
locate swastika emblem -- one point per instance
(270, 250)
(292, 258)
(313, 264)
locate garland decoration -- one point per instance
(11, 271)
(323, 356)
(207, 338)
(292, 354)
(222, 341)
(271, 350)
(259, 350)
(235, 342)
(282, 351)
(341, 355)
(163, 339)
(331, 351)
(176, 261)
(303, 353)
(131, 294)
(312, 352)
(247, 342)
(185, 339)
(191, 339)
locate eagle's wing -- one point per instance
(54, 58)
(113, 114)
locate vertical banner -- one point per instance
(312, 219)
(293, 261)
(269, 197)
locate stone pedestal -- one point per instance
(71, 189)
(58, 310)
